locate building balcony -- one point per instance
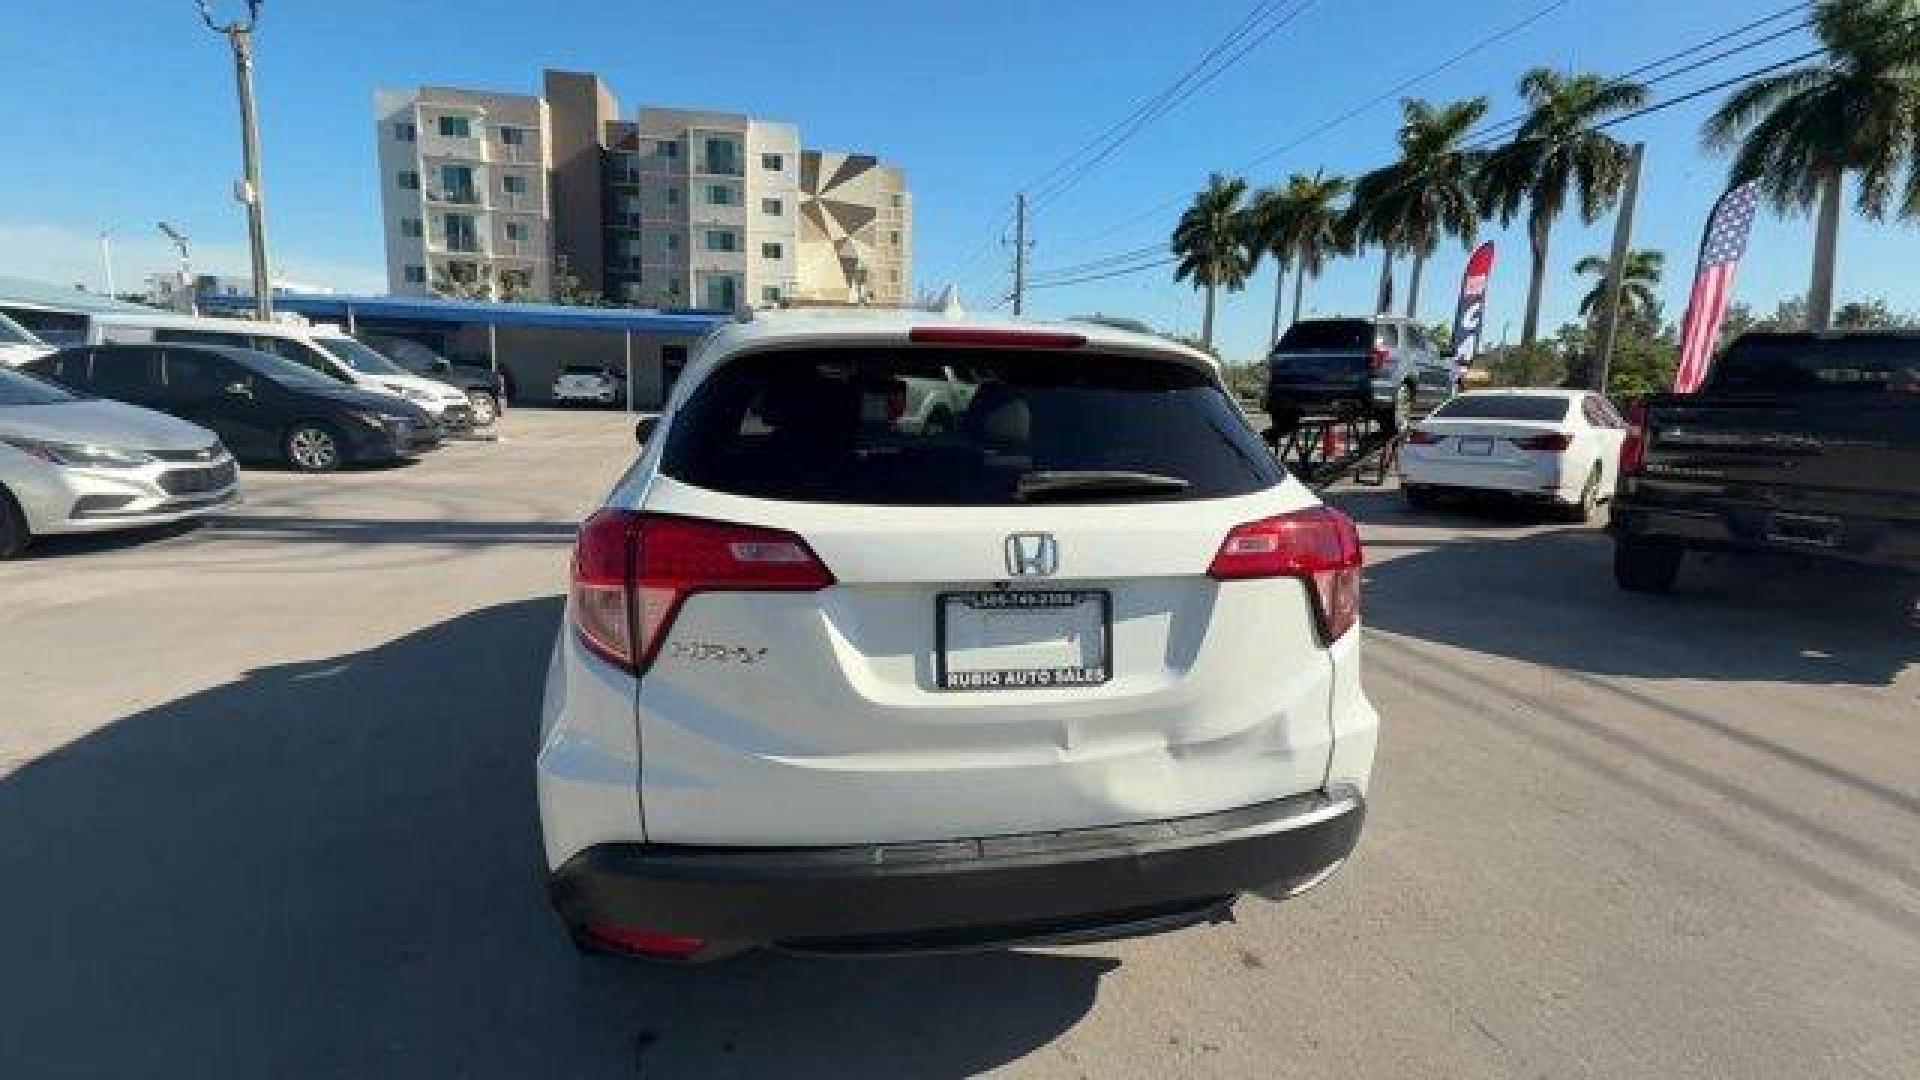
(522, 153)
(433, 145)
(520, 202)
(516, 249)
(454, 196)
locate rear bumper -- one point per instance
(1530, 480)
(1727, 527)
(1082, 884)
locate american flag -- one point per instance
(1720, 255)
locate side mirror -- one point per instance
(643, 429)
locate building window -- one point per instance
(770, 207)
(513, 136)
(464, 272)
(770, 251)
(409, 180)
(517, 281)
(723, 157)
(461, 235)
(410, 228)
(416, 275)
(898, 199)
(770, 294)
(516, 230)
(894, 237)
(893, 276)
(722, 240)
(517, 185)
(722, 195)
(773, 162)
(455, 127)
(404, 131)
(673, 196)
(673, 241)
(667, 148)
(673, 286)
(456, 184)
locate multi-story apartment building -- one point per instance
(464, 192)
(673, 208)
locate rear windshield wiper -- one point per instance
(1043, 486)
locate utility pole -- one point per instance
(106, 259)
(1617, 270)
(239, 33)
(1019, 252)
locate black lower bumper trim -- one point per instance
(1081, 884)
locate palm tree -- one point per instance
(1857, 110)
(1557, 153)
(1429, 194)
(1638, 281)
(1211, 242)
(1299, 225)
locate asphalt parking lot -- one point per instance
(266, 809)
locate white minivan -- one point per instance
(325, 349)
(1083, 663)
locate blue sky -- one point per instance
(120, 113)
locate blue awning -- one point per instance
(335, 306)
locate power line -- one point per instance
(1066, 183)
(1097, 264)
(1120, 272)
(1406, 84)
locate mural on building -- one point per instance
(853, 228)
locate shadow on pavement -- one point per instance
(334, 868)
(1548, 597)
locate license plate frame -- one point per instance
(972, 680)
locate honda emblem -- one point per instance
(1032, 555)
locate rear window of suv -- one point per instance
(956, 427)
(1802, 364)
(1326, 334)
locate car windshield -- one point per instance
(1541, 408)
(1327, 334)
(359, 357)
(18, 388)
(283, 371)
(57, 328)
(12, 333)
(579, 369)
(965, 428)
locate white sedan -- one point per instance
(1560, 447)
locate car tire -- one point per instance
(14, 534)
(1584, 510)
(486, 408)
(313, 447)
(1642, 565)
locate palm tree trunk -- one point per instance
(1826, 249)
(1206, 323)
(1384, 302)
(1537, 237)
(1279, 295)
(1413, 284)
(1299, 288)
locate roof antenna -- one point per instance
(949, 302)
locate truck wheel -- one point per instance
(1646, 566)
(13, 527)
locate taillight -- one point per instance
(1382, 359)
(1551, 442)
(1422, 437)
(643, 942)
(1318, 545)
(1633, 451)
(632, 571)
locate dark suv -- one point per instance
(1385, 368)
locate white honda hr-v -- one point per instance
(1081, 664)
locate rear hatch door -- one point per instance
(1020, 635)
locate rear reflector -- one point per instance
(1318, 545)
(1382, 359)
(632, 571)
(1420, 437)
(990, 338)
(1552, 442)
(643, 942)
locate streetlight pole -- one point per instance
(106, 259)
(239, 34)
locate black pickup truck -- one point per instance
(1806, 444)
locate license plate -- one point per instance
(1477, 447)
(1015, 639)
(1805, 530)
